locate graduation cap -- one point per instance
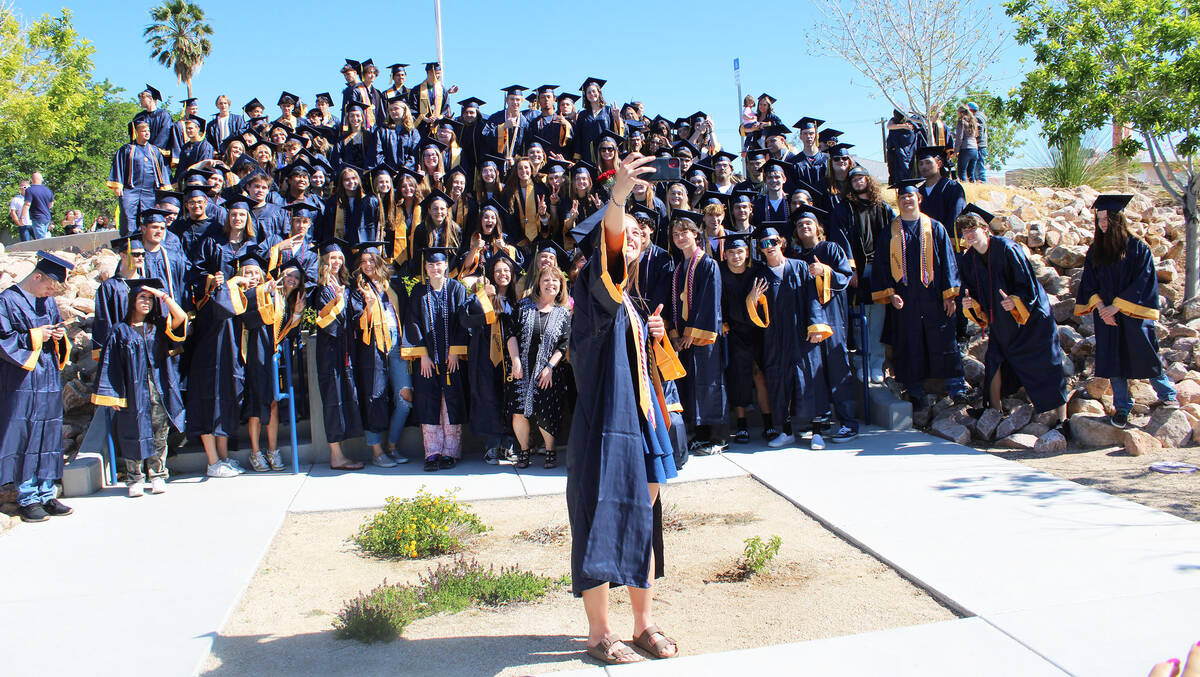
(432, 64)
(397, 67)
(683, 122)
(609, 134)
(1111, 202)
(770, 229)
(326, 97)
(167, 197)
(402, 171)
(53, 267)
(430, 141)
(256, 120)
(128, 244)
(542, 89)
(808, 211)
(982, 213)
(320, 164)
(752, 153)
(203, 173)
(252, 103)
(808, 123)
(153, 215)
(930, 151)
(284, 270)
(333, 244)
(287, 97)
(494, 204)
(711, 197)
(568, 95)
(562, 258)
(197, 191)
(494, 160)
(743, 196)
(694, 217)
(355, 104)
(471, 102)
(137, 284)
(297, 167)
(330, 133)
(243, 163)
(903, 186)
(775, 130)
(700, 169)
(251, 257)
(502, 256)
(552, 165)
(457, 170)
(768, 97)
(301, 210)
(735, 240)
(532, 98)
(773, 163)
(585, 166)
(373, 247)
(383, 168)
(353, 65)
(436, 254)
(839, 149)
(454, 125)
(397, 96)
(235, 199)
(154, 94)
(857, 170)
(684, 144)
(829, 134)
(435, 195)
(723, 155)
(514, 89)
(188, 102)
(641, 210)
(369, 63)
(592, 81)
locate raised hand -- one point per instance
(1005, 302)
(655, 324)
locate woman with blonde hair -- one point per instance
(335, 359)
(537, 348)
(526, 199)
(376, 316)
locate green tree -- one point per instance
(1003, 129)
(53, 117)
(178, 38)
(1128, 62)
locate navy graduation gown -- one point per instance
(855, 227)
(696, 312)
(31, 408)
(834, 380)
(138, 170)
(164, 134)
(743, 339)
(335, 365)
(358, 222)
(614, 527)
(215, 374)
(190, 233)
(258, 348)
(901, 146)
(397, 147)
(270, 219)
(170, 267)
(787, 311)
(130, 359)
(943, 203)
(487, 379)
(765, 211)
(1130, 349)
(922, 335)
(588, 128)
(503, 142)
(112, 302)
(1023, 345)
(216, 131)
(432, 329)
(191, 154)
(372, 344)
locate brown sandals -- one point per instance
(656, 648)
(612, 651)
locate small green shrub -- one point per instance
(308, 319)
(417, 527)
(757, 555)
(382, 614)
(1071, 163)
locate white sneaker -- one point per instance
(781, 440)
(158, 486)
(275, 459)
(383, 461)
(233, 465)
(817, 442)
(135, 490)
(396, 456)
(221, 469)
(258, 462)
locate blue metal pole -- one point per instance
(112, 452)
(865, 354)
(291, 400)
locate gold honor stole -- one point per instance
(898, 251)
(400, 253)
(495, 339)
(423, 104)
(373, 324)
(529, 217)
(369, 111)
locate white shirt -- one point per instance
(17, 204)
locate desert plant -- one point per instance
(1071, 163)
(179, 38)
(382, 614)
(420, 526)
(757, 555)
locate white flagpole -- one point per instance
(437, 17)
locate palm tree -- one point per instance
(178, 38)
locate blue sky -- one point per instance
(681, 60)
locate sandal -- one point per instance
(431, 463)
(655, 648)
(612, 651)
(351, 465)
(551, 459)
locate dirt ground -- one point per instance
(1115, 472)
(819, 586)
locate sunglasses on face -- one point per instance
(768, 244)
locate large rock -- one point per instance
(1097, 387)
(1068, 337)
(1176, 371)
(1093, 431)
(946, 427)
(1166, 271)
(1063, 257)
(1064, 310)
(1171, 426)
(1138, 443)
(1084, 405)
(985, 425)
(1018, 418)
(1142, 393)
(973, 370)
(1036, 428)
(1017, 441)
(75, 397)
(1051, 442)
(1188, 392)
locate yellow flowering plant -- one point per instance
(421, 526)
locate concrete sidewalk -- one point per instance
(1059, 578)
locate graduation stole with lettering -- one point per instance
(423, 104)
(400, 253)
(529, 216)
(899, 251)
(373, 323)
(496, 337)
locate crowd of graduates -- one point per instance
(441, 257)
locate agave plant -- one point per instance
(1071, 163)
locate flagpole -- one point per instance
(437, 17)
(737, 78)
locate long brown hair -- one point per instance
(1109, 247)
(873, 192)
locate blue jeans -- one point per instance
(26, 233)
(400, 375)
(967, 159)
(981, 165)
(1123, 402)
(33, 491)
(41, 230)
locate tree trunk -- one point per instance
(189, 87)
(1191, 225)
